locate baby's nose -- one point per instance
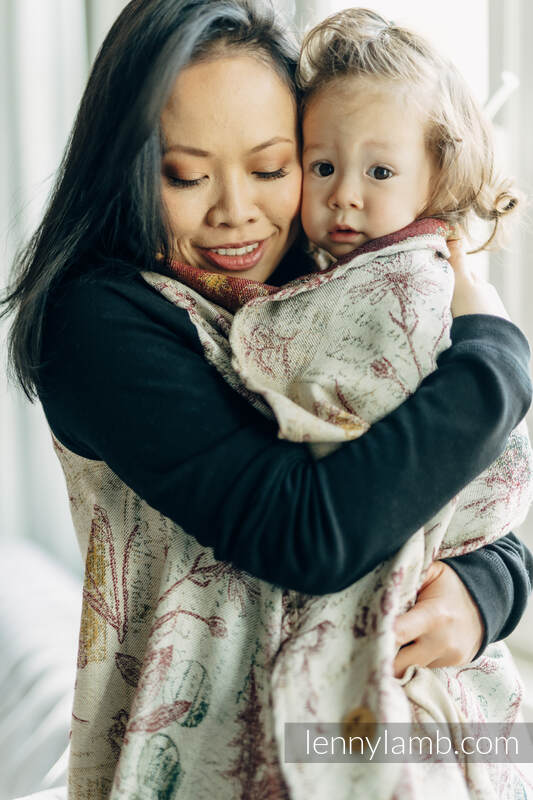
(346, 195)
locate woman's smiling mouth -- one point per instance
(236, 255)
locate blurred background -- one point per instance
(46, 50)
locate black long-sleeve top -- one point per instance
(125, 381)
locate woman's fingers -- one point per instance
(457, 257)
(421, 617)
(475, 296)
(472, 294)
(421, 652)
(443, 628)
(415, 653)
(414, 623)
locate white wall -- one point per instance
(457, 28)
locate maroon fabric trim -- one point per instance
(420, 227)
(224, 290)
(232, 292)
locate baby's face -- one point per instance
(367, 171)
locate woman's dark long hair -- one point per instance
(106, 211)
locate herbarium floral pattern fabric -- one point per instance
(188, 668)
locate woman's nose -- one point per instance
(233, 206)
(346, 194)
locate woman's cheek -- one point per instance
(183, 217)
(290, 200)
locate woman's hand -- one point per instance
(444, 627)
(472, 294)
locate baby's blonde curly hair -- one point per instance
(359, 43)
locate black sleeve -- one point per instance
(499, 577)
(126, 382)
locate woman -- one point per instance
(186, 148)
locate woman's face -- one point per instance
(231, 170)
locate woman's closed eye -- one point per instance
(273, 175)
(380, 173)
(176, 180)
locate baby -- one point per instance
(395, 152)
(391, 134)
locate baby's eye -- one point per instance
(323, 169)
(380, 173)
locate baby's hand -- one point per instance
(472, 294)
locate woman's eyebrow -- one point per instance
(269, 143)
(192, 151)
(195, 151)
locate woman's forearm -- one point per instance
(451, 429)
(127, 382)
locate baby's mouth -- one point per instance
(343, 233)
